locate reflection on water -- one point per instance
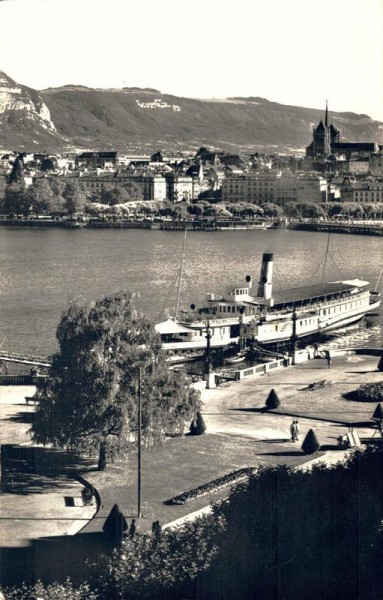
(42, 270)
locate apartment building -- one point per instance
(312, 187)
(279, 187)
(253, 188)
(152, 187)
(179, 187)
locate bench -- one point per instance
(32, 399)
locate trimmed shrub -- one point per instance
(378, 412)
(370, 392)
(310, 443)
(211, 486)
(272, 400)
(197, 426)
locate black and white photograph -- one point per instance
(191, 270)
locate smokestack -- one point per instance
(265, 287)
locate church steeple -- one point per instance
(326, 116)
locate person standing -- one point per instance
(293, 431)
(285, 359)
(132, 528)
(329, 359)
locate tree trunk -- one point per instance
(102, 457)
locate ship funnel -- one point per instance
(265, 287)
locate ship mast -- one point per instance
(180, 277)
(325, 260)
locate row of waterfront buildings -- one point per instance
(330, 171)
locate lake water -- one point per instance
(41, 270)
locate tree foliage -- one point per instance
(90, 401)
(17, 173)
(16, 201)
(156, 567)
(53, 591)
(289, 532)
(74, 198)
(40, 196)
(271, 210)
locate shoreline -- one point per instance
(374, 229)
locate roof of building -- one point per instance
(354, 147)
(93, 155)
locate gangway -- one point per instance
(25, 359)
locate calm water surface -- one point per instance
(42, 270)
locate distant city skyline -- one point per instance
(295, 52)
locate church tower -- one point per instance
(322, 138)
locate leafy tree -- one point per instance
(40, 196)
(74, 198)
(310, 210)
(335, 208)
(198, 426)
(48, 164)
(353, 209)
(373, 210)
(272, 400)
(251, 210)
(17, 173)
(314, 532)
(113, 196)
(16, 200)
(160, 567)
(271, 210)
(90, 402)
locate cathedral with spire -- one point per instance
(325, 136)
(326, 142)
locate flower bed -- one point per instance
(211, 486)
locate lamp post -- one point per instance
(208, 349)
(294, 335)
(139, 458)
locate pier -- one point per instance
(339, 227)
(24, 359)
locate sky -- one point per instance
(298, 52)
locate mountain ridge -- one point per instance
(145, 119)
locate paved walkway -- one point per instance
(233, 413)
(236, 409)
(40, 482)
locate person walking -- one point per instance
(285, 359)
(329, 359)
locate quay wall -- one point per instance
(301, 356)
